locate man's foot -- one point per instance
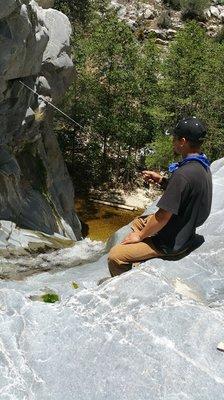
(107, 278)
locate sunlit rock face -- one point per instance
(36, 191)
(150, 334)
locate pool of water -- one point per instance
(100, 221)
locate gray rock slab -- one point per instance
(133, 338)
(17, 240)
(151, 333)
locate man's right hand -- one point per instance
(151, 177)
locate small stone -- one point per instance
(214, 11)
(161, 42)
(212, 28)
(131, 23)
(221, 8)
(207, 13)
(149, 14)
(221, 16)
(121, 12)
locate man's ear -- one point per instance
(183, 141)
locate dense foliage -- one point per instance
(127, 93)
(191, 9)
(193, 83)
(78, 11)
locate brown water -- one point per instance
(100, 221)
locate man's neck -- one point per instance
(190, 154)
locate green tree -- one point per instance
(161, 153)
(77, 10)
(193, 84)
(114, 94)
(210, 98)
(185, 62)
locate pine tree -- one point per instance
(114, 93)
(193, 83)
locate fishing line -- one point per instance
(52, 105)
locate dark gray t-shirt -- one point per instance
(188, 197)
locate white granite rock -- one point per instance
(14, 240)
(207, 13)
(57, 54)
(151, 333)
(121, 12)
(214, 11)
(149, 13)
(221, 16)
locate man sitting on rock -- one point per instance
(184, 206)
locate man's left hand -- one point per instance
(133, 237)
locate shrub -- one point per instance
(164, 20)
(193, 9)
(175, 4)
(220, 35)
(50, 298)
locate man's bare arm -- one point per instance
(154, 177)
(154, 225)
(151, 176)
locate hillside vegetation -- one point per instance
(128, 90)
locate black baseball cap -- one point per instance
(190, 128)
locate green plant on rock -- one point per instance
(50, 298)
(75, 285)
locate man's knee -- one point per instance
(117, 260)
(115, 254)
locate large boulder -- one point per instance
(37, 192)
(57, 54)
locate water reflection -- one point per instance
(99, 221)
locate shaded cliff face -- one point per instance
(36, 191)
